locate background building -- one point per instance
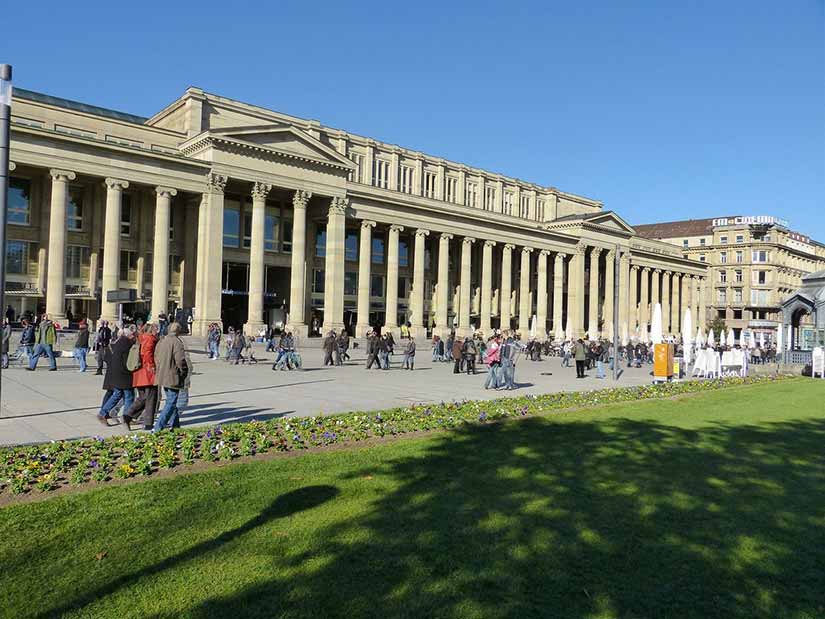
(755, 263)
(233, 210)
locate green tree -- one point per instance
(718, 325)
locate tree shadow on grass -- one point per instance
(609, 518)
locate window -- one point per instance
(287, 244)
(451, 189)
(740, 238)
(350, 283)
(247, 229)
(403, 254)
(740, 256)
(428, 258)
(272, 230)
(231, 225)
(761, 255)
(174, 269)
(723, 277)
(489, 198)
(355, 175)
(429, 184)
(147, 269)
(321, 243)
(702, 242)
(723, 240)
(318, 276)
(507, 207)
(471, 194)
(737, 295)
(738, 276)
(77, 262)
(524, 207)
(737, 314)
(377, 251)
(540, 206)
(403, 287)
(767, 238)
(407, 179)
(760, 278)
(723, 296)
(701, 257)
(377, 286)
(685, 244)
(723, 257)
(351, 246)
(126, 215)
(381, 173)
(128, 266)
(17, 258)
(760, 297)
(19, 202)
(75, 210)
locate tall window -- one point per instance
(430, 184)
(356, 175)
(723, 296)
(321, 243)
(377, 251)
(272, 230)
(286, 247)
(540, 206)
(126, 215)
(351, 247)
(740, 256)
(17, 257)
(489, 198)
(403, 254)
(737, 276)
(77, 262)
(19, 202)
(760, 278)
(450, 189)
(723, 257)
(128, 266)
(685, 243)
(524, 207)
(723, 240)
(174, 269)
(318, 277)
(508, 203)
(737, 295)
(75, 209)
(471, 197)
(377, 286)
(760, 255)
(760, 297)
(740, 238)
(231, 224)
(723, 277)
(406, 177)
(350, 283)
(381, 173)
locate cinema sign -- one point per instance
(750, 219)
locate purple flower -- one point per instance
(93, 464)
(482, 416)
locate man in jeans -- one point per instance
(118, 379)
(171, 372)
(81, 345)
(45, 337)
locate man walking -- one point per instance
(45, 337)
(81, 345)
(102, 343)
(118, 379)
(171, 372)
(330, 345)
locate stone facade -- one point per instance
(234, 210)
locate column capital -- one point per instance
(116, 183)
(445, 236)
(216, 183)
(62, 175)
(396, 228)
(526, 250)
(544, 252)
(422, 232)
(610, 255)
(12, 166)
(508, 247)
(260, 190)
(338, 206)
(657, 271)
(634, 267)
(646, 269)
(581, 248)
(560, 256)
(595, 252)
(301, 198)
(468, 240)
(167, 192)
(366, 224)
(489, 243)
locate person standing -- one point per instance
(330, 345)
(342, 347)
(45, 337)
(409, 354)
(118, 378)
(102, 343)
(171, 373)
(580, 355)
(469, 352)
(601, 359)
(5, 345)
(457, 352)
(384, 349)
(143, 379)
(27, 338)
(10, 314)
(81, 345)
(372, 350)
(493, 360)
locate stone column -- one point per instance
(419, 329)
(624, 287)
(391, 307)
(575, 292)
(675, 315)
(257, 270)
(694, 294)
(655, 290)
(666, 302)
(609, 291)
(558, 296)
(644, 304)
(524, 312)
(464, 327)
(111, 247)
(56, 272)
(506, 286)
(703, 302)
(364, 277)
(593, 309)
(633, 301)
(160, 256)
(541, 295)
(210, 267)
(443, 294)
(297, 278)
(487, 288)
(685, 297)
(334, 266)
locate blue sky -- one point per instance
(661, 110)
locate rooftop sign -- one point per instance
(750, 219)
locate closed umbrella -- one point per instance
(711, 339)
(761, 339)
(752, 340)
(656, 325)
(743, 340)
(687, 334)
(780, 350)
(533, 327)
(700, 338)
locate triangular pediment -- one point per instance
(609, 219)
(285, 139)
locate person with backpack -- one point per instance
(172, 372)
(45, 337)
(141, 362)
(81, 345)
(118, 376)
(103, 341)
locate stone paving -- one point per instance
(42, 405)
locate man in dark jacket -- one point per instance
(81, 345)
(330, 345)
(102, 343)
(118, 377)
(469, 351)
(580, 355)
(458, 355)
(372, 351)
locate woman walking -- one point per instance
(143, 379)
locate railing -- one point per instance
(802, 357)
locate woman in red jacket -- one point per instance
(144, 380)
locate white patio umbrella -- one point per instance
(761, 339)
(533, 327)
(711, 339)
(743, 340)
(656, 325)
(731, 338)
(687, 335)
(700, 338)
(780, 350)
(752, 340)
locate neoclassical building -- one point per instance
(234, 211)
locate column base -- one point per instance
(331, 326)
(200, 327)
(394, 329)
(253, 328)
(108, 317)
(362, 329)
(463, 332)
(298, 330)
(418, 331)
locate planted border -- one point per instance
(49, 466)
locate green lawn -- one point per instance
(708, 506)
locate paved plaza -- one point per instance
(42, 405)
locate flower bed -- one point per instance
(51, 465)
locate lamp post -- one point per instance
(615, 301)
(5, 122)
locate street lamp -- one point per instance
(5, 123)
